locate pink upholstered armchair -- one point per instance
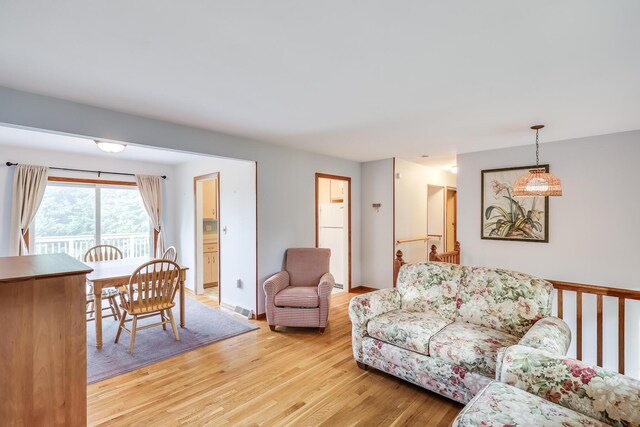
(300, 295)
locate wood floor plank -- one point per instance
(294, 376)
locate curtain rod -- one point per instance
(89, 171)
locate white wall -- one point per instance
(377, 227)
(237, 214)
(411, 205)
(66, 160)
(286, 177)
(593, 227)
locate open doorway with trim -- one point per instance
(333, 225)
(207, 197)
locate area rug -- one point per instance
(204, 325)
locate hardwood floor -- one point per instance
(290, 377)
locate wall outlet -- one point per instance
(238, 283)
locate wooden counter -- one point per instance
(43, 349)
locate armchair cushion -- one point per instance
(501, 405)
(473, 347)
(306, 266)
(591, 390)
(297, 296)
(407, 329)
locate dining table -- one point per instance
(116, 273)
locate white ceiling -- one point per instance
(360, 79)
(36, 140)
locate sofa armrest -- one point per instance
(591, 390)
(364, 308)
(550, 334)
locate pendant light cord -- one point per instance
(537, 150)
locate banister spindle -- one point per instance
(560, 304)
(599, 328)
(579, 325)
(621, 304)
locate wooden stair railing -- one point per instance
(600, 292)
(452, 257)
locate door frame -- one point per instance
(455, 215)
(317, 200)
(198, 241)
(443, 238)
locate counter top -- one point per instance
(40, 266)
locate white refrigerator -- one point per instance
(332, 235)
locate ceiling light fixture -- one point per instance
(110, 147)
(538, 182)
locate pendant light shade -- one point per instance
(538, 182)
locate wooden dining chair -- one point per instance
(159, 281)
(103, 253)
(170, 254)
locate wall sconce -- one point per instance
(377, 206)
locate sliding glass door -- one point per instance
(74, 217)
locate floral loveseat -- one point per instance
(538, 388)
(443, 325)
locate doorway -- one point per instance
(451, 221)
(436, 217)
(207, 209)
(333, 225)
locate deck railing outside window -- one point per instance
(132, 245)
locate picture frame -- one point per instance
(507, 217)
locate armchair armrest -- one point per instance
(327, 282)
(550, 334)
(272, 286)
(588, 389)
(364, 308)
(276, 283)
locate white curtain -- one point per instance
(29, 183)
(150, 188)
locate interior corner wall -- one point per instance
(286, 177)
(411, 183)
(593, 227)
(377, 225)
(237, 215)
(78, 161)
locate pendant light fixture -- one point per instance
(538, 182)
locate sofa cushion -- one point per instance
(502, 405)
(504, 300)
(431, 287)
(471, 346)
(297, 296)
(407, 329)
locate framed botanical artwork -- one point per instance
(506, 217)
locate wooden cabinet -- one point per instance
(210, 261)
(210, 199)
(43, 373)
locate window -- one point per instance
(73, 217)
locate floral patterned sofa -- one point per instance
(442, 326)
(538, 388)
